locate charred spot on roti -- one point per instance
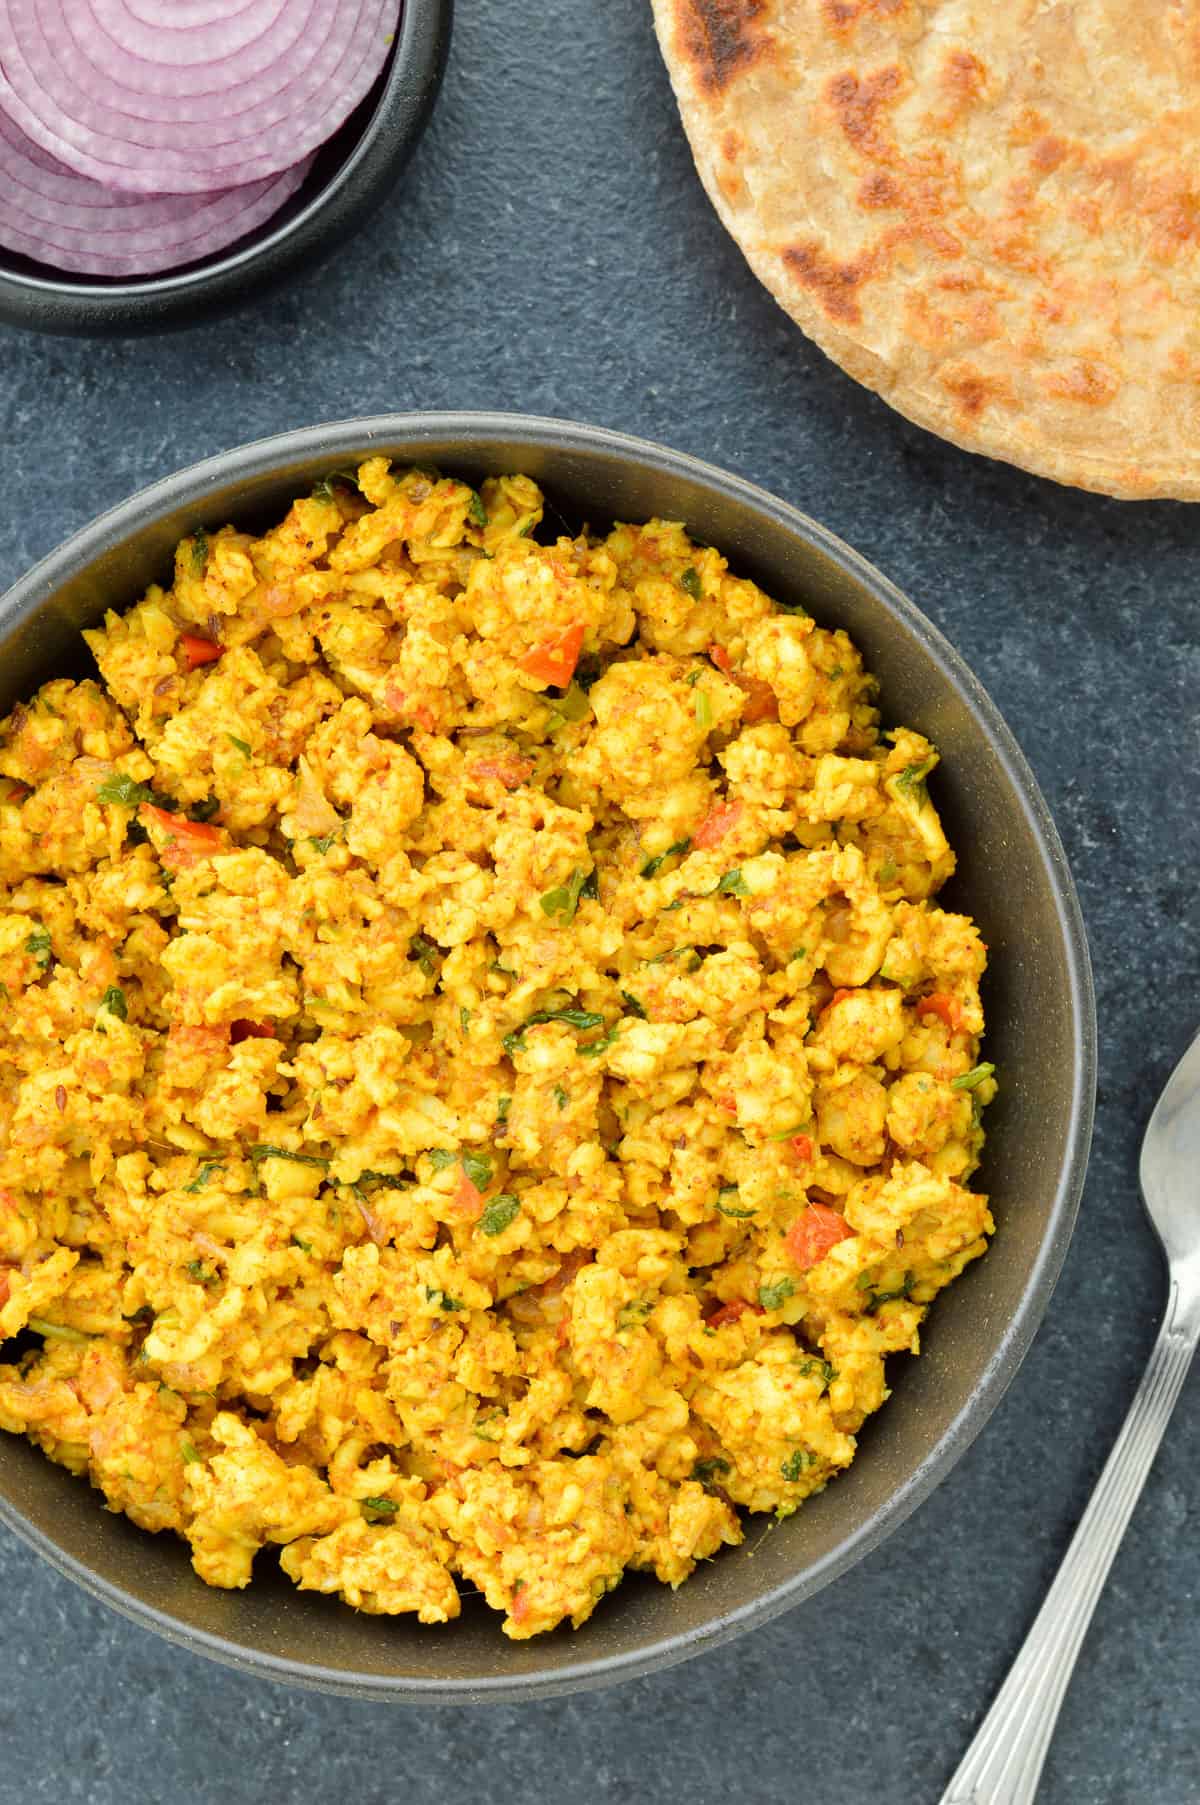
(834, 285)
(1086, 381)
(859, 102)
(729, 172)
(722, 38)
(973, 390)
(963, 75)
(844, 15)
(878, 190)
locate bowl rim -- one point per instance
(417, 62)
(477, 431)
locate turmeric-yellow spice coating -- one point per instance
(484, 1084)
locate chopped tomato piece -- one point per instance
(810, 1238)
(468, 1199)
(521, 1605)
(721, 658)
(397, 698)
(716, 824)
(197, 651)
(564, 1329)
(186, 840)
(948, 1008)
(836, 998)
(244, 1030)
(801, 1146)
(728, 1102)
(5, 1286)
(555, 659)
(731, 1311)
(511, 772)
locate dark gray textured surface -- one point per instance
(552, 251)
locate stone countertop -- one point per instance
(551, 251)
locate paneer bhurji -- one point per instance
(485, 1083)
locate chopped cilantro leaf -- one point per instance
(690, 581)
(124, 789)
(727, 1209)
(425, 954)
(477, 513)
(632, 1005)
(204, 1174)
(40, 946)
(266, 1151)
(200, 548)
(114, 1001)
(796, 1464)
(441, 1157)
(709, 1470)
(771, 1296)
(574, 1018)
(503, 1105)
(565, 899)
(630, 1315)
(911, 781)
(478, 1170)
(241, 745)
(324, 843)
(652, 866)
(732, 883)
(371, 1181)
(498, 1215)
(561, 1096)
(810, 1365)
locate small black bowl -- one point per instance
(351, 175)
(1012, 878)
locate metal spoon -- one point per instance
(1004, 1763)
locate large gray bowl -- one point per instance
(1013, 878)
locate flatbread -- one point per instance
(986, 210)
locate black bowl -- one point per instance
(351, 175)
(1013, 878)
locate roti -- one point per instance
(988, 211)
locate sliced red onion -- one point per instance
(199, 105)
(57, 217)
(191, 32)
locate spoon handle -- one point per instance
(1004, 1763)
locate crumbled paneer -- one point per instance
(485, 1083)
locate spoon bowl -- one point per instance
(1169, 1170)
(1004, 1763)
